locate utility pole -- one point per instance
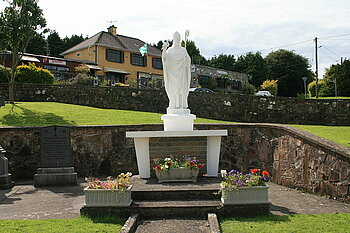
(316, 60)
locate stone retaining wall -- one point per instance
(295, 158)
(230, 107)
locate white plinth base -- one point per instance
(178, 122)
(141, 139)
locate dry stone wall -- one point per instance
(295, 158)
(230, 107)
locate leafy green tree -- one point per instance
(55, 43)
(37, 45)
(194, 53)
(223, 61)
(19, 22)
(69, 42)
(288, 68)
(4, 74)
(341, 74)
(248, 89)
(255, 65)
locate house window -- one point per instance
(114, 56)
(157, 63)
(138, 60)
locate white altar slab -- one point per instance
(141, 139)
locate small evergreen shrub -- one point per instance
(33, 74)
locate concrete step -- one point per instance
(176, 195)
(173, 226)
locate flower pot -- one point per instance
(107, 197)
(245, 195)
(181, 174)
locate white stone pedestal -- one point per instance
(142, 147)
(178, 120)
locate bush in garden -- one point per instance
(33, 74)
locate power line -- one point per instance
(327, 55)
(331, 51)
(326, 37)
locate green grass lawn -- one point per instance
(289, 223)
(81, 224)
(51, 113)
(339, 97)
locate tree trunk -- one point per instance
(11, 92)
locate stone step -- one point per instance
(176, 195)
(173, 226)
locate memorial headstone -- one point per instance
(5, 177)
(56, 167)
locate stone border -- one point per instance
(130, 225)
(214, 224)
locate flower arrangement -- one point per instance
(176, 162)
(235, 179)
(121, 183)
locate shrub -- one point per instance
(83, 79)
(33, 74)
(82, 69)
(4, 74)
(248, 88)
(324, 88)
(271, 86)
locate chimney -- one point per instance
(113, 30)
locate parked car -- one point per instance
(263, 93)
(201, 89)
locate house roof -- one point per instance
(119, 42)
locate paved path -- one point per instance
(27, 202)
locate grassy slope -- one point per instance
(81, 224)
(43, 113)
(289, 223)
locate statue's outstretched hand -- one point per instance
(165, 46)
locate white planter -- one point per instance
(181, 174)
(245, 195)
(106, 197)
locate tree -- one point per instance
(341, 74)
(223, 61)
(69, 42)
(271, 86)
(55, 44)
(194, 53)
(19, 22)
(37, 45)
(255, 65)
(288, 68)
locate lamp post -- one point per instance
(305, 79)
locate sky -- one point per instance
(223, 26)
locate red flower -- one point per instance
(155, 165)
(199, 165)
(169, 164)
(253, 171)
(191, 163)
(265, 173)
(158, 167)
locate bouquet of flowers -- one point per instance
(235, 179)
(176, 162)
(122, 182)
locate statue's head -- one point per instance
(176, 38)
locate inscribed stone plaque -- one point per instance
(55, 147)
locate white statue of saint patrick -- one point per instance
(177, 73)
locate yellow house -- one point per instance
(118, 57)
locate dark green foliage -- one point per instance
(207, 82)
(55, 44)
(288, 68)
(37, 45)
(255, 65)
(248, 89)
(33, 74)
(223, 61)
(4, 74)
(194, 53)
(341, 74)
(69, 42)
